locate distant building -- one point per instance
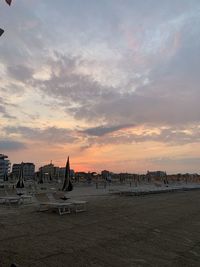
(28, 170)
(16, 170)
(156, 175)
(106, 175)
(4, 167)
(49, 172)
(62, 172)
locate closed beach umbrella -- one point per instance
(9, 2)
(20, 183)
(67, 185)
(1, 31)
(41, 177)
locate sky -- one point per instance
(114, 84)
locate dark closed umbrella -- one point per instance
(9, 2)
(67, 186)
(20, 183)
(41, 177)
(1, 31)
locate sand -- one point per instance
(152, 230)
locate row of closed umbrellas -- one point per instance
(67, 185)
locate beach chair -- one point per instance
(2, 195)
(26, 197)
(58, 196)
(9, 198)
(77, 205)
(46, 204)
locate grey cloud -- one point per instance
(21, 39)
(9, 145)
(71, 88)
(169, 99)
(140, 109)
(3, 109)
(50, 135)
(20, 72)
(172, 136)
(3, 112)
(103, 130)
(13, 89)
(173, 93)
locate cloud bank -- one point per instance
(104, 75)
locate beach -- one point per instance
(150, 230)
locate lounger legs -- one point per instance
(80, 207)
(43, 208)
(61, 210)
(64, 210)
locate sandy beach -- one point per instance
(151, 230)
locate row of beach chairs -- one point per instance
(62, 206)
(11, 197)
(44, 201)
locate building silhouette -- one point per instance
(4, 167)
(28, 170)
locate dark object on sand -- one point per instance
(65, 198)
(67, 186)
(41, 177)
(20, 183)
(1, 31)
(9, 2)
(13, 265)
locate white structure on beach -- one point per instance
(4, 167)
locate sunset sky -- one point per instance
(114, 84)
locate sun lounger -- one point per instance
(2, 195)
(8, 198)
(77, 205)
(26, 198)
(45, 204)
(62, 208)
(14, 197)
(11, 200)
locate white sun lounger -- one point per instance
(77, 205)
(26, 198)
(11, 200)
(61, 207)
